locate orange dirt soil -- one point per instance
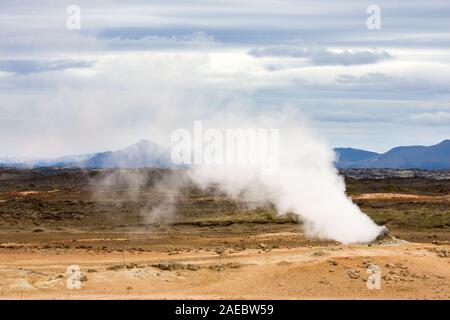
(309, 271)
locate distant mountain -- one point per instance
(349, 156)
(66, 161)
(417, 157)
(142, 154)
(149, 154)
(9, 162)
(60, 161)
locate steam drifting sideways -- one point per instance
(305, 183)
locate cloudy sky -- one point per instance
(138, 69)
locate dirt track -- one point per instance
(400, 196)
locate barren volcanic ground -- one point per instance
(116, 226)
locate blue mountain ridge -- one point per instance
(146, 153)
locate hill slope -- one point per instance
(142, 154)
(420, 157)
(149, 154)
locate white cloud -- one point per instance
(322, 56)
(20, 66)
(431, 118)
(136, 63)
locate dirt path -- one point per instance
(408, 271)
(400, 196)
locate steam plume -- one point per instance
(306, 183)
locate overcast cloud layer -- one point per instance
(132, 63)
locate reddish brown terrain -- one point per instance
(209, 246)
